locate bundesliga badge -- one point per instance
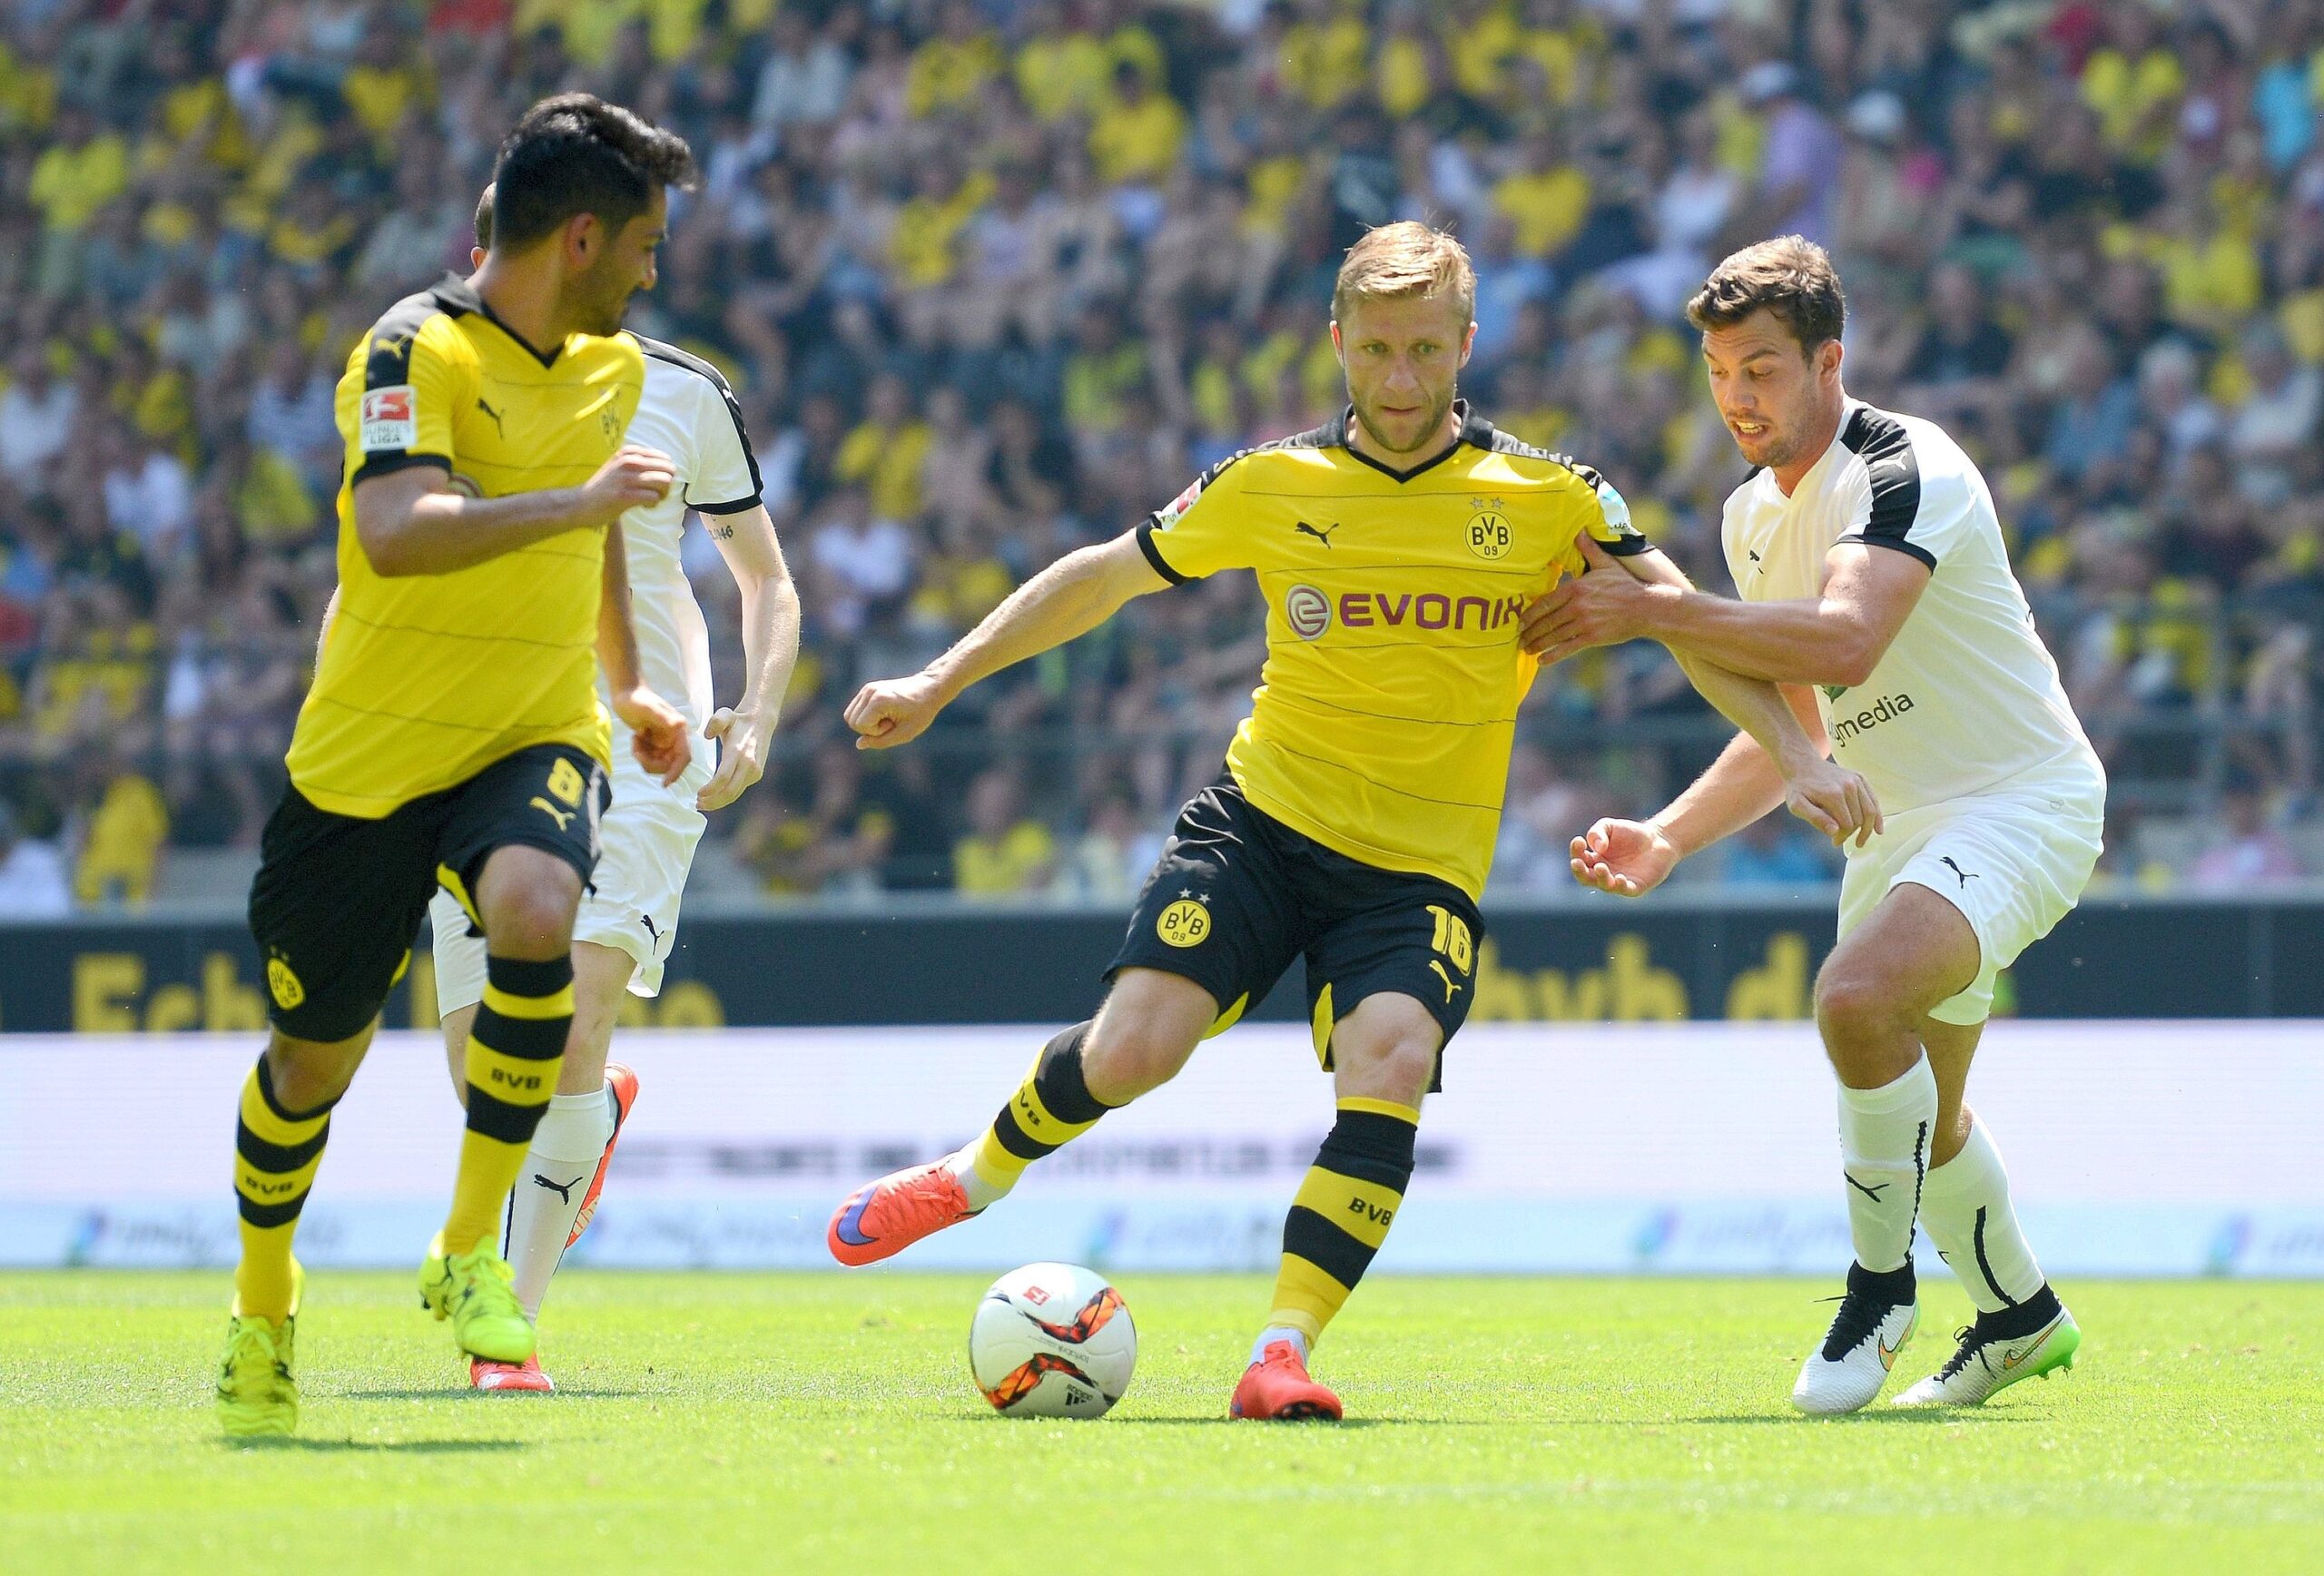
(388, 421)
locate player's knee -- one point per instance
(1399, 1068)
(529, 917)
(306, 1074)
(1854, 1005)
(1127, 1060)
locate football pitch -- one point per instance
(712, 1422)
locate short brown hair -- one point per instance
(1790, 276)
(1406, 260)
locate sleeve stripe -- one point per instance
(711, 375)
(1629, 545)
(1153, 556)
(736, 507)
(387, 463)
(1881, 441)
(1902, 546)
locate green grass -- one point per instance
(713, 1423)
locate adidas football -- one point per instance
(1052, 1340)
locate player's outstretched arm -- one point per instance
(746, 540)
(1630, 858)
(657, 730)
(1070, 597)
(410, 521)
(1834, 801)
(1838, 637)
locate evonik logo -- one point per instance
(1427, 610)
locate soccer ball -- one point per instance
(1052, 1340)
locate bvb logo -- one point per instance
(285, 984)
(1489, 534)
(1185, 923)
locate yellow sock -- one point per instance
(1343, 1212)
(1050, 1109)
(276, 1153)
(515, 1049)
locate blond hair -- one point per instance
(1406, 260)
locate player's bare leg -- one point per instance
(1914, 951)
(284, 1120)
(549, 1208)
(1384, 1055)
(2021, 1331)
(1148, 1027)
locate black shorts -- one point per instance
(1237, 895)
(338, 901)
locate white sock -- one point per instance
(1274, 1333)
(1884, 1149)
(961, 1163)
(566, 1148)
(1965, 1206)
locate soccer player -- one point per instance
(629, 914)
(1875, 588)
(1396, 547)
(453, 733)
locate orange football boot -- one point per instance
(487, 1375)
(1277, 1388)
(624, 1083)
(885, 1218)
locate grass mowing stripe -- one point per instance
(771, 1423)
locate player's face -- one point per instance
(622, 268)
(1404, 361)
(1772, 395)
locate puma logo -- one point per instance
(488, 410)
(563, 818)
(1753, 553)
(1966, 876)
(564, 1190)
(1324, 536)
(1449, 986)
(1873, 1192)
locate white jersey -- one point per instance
(688, 413)
(1966, 700)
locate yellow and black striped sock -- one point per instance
(1050, 1109)
(1343, 1212)
(515, 1049)
(276, 1152)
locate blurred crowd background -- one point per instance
(993, 278)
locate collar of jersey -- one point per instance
(459, 294)
(1474, 430)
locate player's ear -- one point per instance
(585, 237)
(1827, 359)
(1468, 343)
(1337, 348)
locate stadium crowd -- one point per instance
(993, 278)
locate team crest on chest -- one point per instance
(1488, 533)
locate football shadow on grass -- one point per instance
(395, 1446)
(1901, 1417)
(458, 1392)
(1319, 1425)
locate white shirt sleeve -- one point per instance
(725, 479)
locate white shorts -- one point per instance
(2014, 862)
(646, 843)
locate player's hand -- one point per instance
(889, 712)
(635, 474)
(1591, 608)
(1627, 858)
(742, 734)
(657, 733)
(1834, 801)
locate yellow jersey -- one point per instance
(1384, 715)
(425, 680)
